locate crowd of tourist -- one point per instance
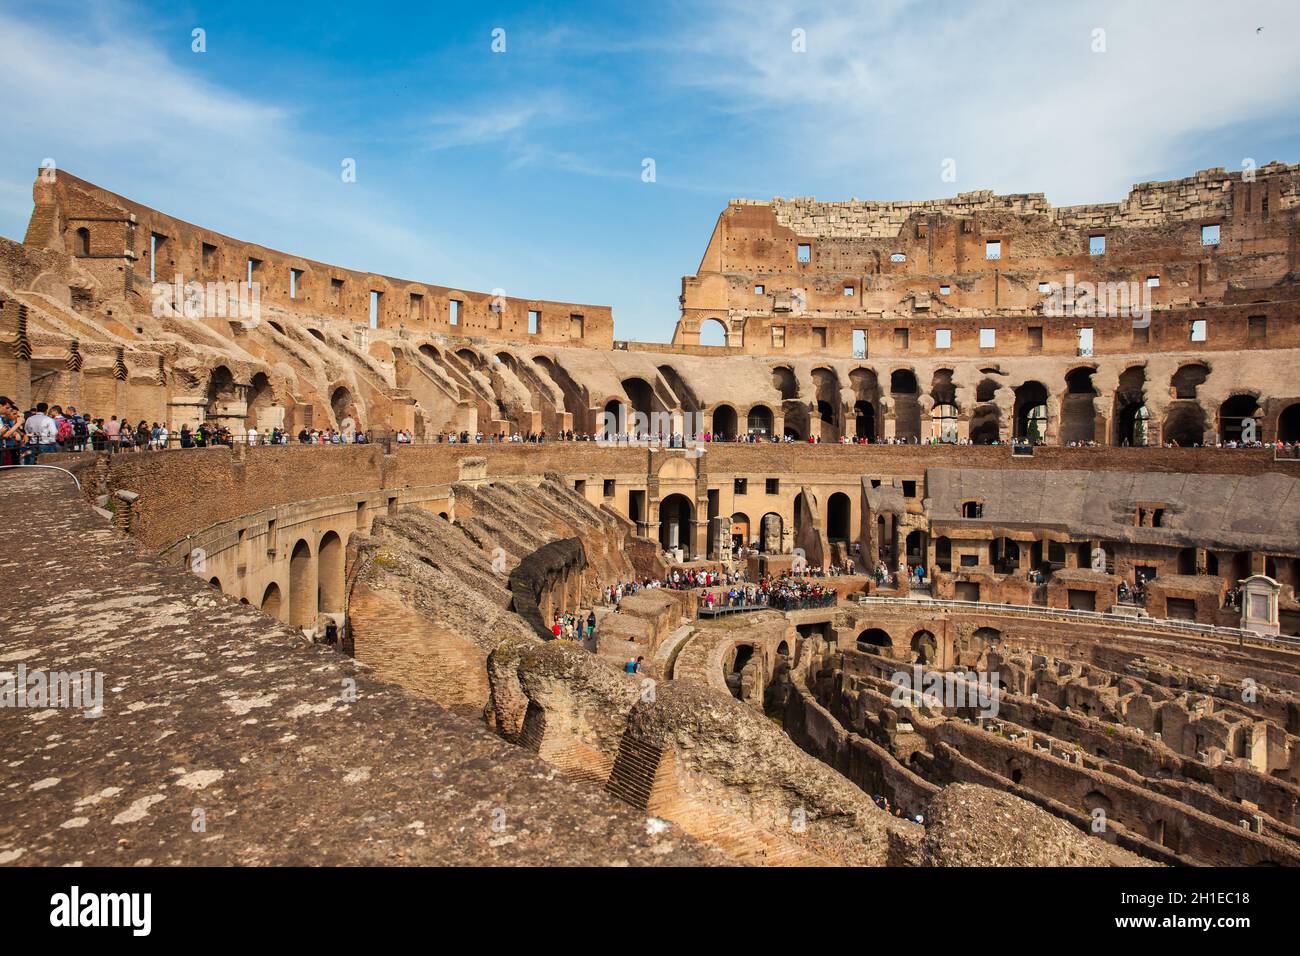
(571, 627)
(25, 435)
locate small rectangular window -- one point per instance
(909, 489)
(336, 290)
(848, 290)
(860, 343)
(898, 257)
(376, 307)
(1096, 245)
(1198, 330)
(1085, 342)
(1210, 235)
(805, 252)
(609, 488)
(294, 276)
(209, 256)
(988, 338)
(778, 336)
(944, 290)
(534, 321)
(774, 486)
(1257, 327)
(819, 336)
(156, 242)
(1141, 334)
(900, 339)
(1153, 282)
(577, 326)
(453, 311)
(580, 486)
(1044, 288)
(759, 290)
(1036, 338)
(993, 249)
(253, 266)
(943, 338)
(416, 307)
(740, 486)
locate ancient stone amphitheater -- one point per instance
(1082, 422)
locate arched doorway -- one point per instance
(1237, 419)
(739, 530)
(1031, 411)
(915, 548)
(873, 640)
(302, 586)
(838, 513)
(1184, 424)
(1288, 424)
(925, 648)
(271, 603)
(864, 420)
(904, 390)
(675, 514)
(943, 424)
(760, 420)
(985, 425)
(330, 575)
(713, 332)
(1078, 414)
(724, 422)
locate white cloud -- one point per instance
(1013, 92)
(107, 105)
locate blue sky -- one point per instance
(522, 170)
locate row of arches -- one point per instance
(312, 584)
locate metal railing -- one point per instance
(1096, 617)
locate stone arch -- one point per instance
(905, 393)
(1188, 379)
(215, 582)
(759, 420)
(1031, 411)
(261, 399)
(784, 381)
(1237, 414)
(740, 528)
(839, 510)
(676, 515)
(1184, 424)
(343, 404)
(1078, 412)
(872, 639)
(221, 390)
(640, 396)
(330, 576)
(925, 648)
(986, 425)
(302, 585)
(271, 602)
(725, 421)
(714, 332)
(1288, 424)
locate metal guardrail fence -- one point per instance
(1101, 617)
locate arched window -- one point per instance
(83, 241)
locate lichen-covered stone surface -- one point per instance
(970, 825)
(226, 739)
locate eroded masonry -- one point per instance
(1082, 424)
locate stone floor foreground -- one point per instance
(225, 740)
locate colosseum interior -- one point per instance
(1082, 422)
